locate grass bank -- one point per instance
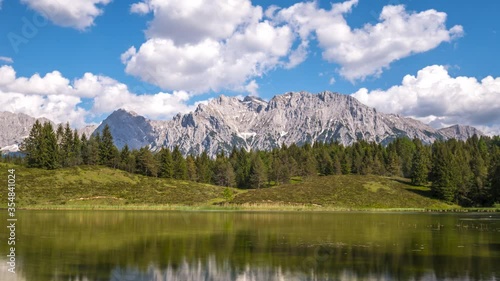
(102, 188)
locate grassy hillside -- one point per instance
(347, 191)
(96, 185)
(88, 186)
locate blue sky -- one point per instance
(436, 61)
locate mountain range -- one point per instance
(252, 123)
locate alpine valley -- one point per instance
(252, 123)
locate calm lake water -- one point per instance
(220, 246)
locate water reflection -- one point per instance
(130, 246)
(205, 271)
(211, 271)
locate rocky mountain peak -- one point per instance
(461, 132)
(127, 127)
(14, 127)
(252, 123)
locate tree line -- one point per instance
(462, 172)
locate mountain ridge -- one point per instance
(253, 123)
(294, 117)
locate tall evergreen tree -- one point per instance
(203, 168)
(494, 174)
(346, 163)
(59, 133)
(393, 164)
(84, 149)
(50, 153)
(258, 173)
(124, 157)
(445, 172)
(278, 171)
(309, 165)
(77, 149)
(93, 149)
(107, 148)
(180, 169)
(420, 165)
(241, 162)
(32, 146)
(146, 163)
(405, 149)
(191, 169)
(166, 163)
(325, 163)
(128, 159)
(478, 194)
(66, 146)
(223, 173)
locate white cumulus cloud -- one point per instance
(196, 20)
(58, 98)
(79, 14)
(366, 51)
(433, 96)
(200, 46)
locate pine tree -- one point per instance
(106, 147)
(420, 165)
(50, 153)
(59, 133)
(445, 172)
(124, 156)
(478, 193)
(166, 163)
(191, 169)
(393, 164)
(357, 161)
(494, 175)
(93, 148)
(146, 163)
(85, 149)
(180, 169)
(405, 149)
(32, 146)
(366, 167)
(77, 150)
(325, 162)
(223, 172)
(241, 163)
(278, 171)
(128, 159)
(258, 173)
(66, 146)
(346, 163)
(309, 165)
(203, 168)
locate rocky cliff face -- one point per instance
(129, 128)
(14, 128)
(252, 123)
(459, 132)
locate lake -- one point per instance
(245, 246)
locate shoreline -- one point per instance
(249, 208)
